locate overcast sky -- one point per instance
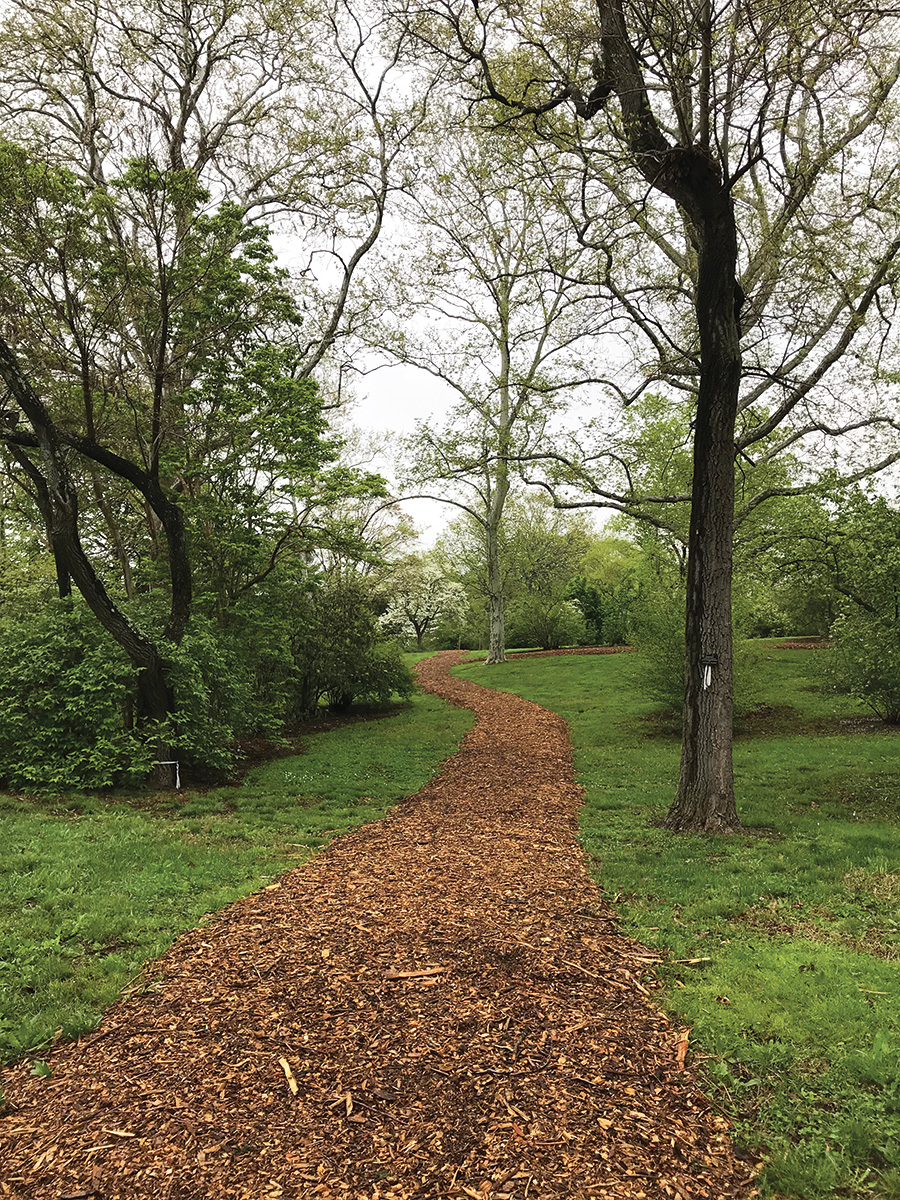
(393, 399)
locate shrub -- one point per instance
(535, 621)
(340, 652)
(866, 661)
(658, 634)
(378, 675)
(64, 692)
(67, 690)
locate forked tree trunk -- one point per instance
(705, 800)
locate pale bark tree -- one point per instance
(493, 309)
(741, 116)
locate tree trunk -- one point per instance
(497, 638)
(45, 506)
(57, 492)
(705, 800)
(498, 490)
(155, 703)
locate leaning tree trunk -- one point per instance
(154, 696)
(705, 799)
(45, 507)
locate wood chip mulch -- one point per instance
(438, 1005)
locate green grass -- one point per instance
(796, 1015)
(92, 887)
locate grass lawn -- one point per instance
(94, 886)
(795, 1008)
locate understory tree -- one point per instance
(545, 551)
(418, 596)
(606, 588)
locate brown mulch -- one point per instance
(436, 1005)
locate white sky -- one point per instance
(394, 399)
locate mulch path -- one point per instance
(438, 1005)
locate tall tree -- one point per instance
(698, 107)
(494, 309)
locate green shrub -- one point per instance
(537, 621)
(215, 698)
(658, 633)
(64, 689)
(339, 650)
(67, 690)
(866, 660)
(379, 674)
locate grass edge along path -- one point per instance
(435, 1005)
(94, 886)
(769, 935)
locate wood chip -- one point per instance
(462, 1037)
(289, 1075)
(414, 974)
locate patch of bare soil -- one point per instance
(436, 1006)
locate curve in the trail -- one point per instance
(437, 1005)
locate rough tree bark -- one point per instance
(705, 799)
(729, 102)
(688, 173)
(690, 176)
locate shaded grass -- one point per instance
(797, 1011)
(94, 886)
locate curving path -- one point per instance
(438, 1005)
